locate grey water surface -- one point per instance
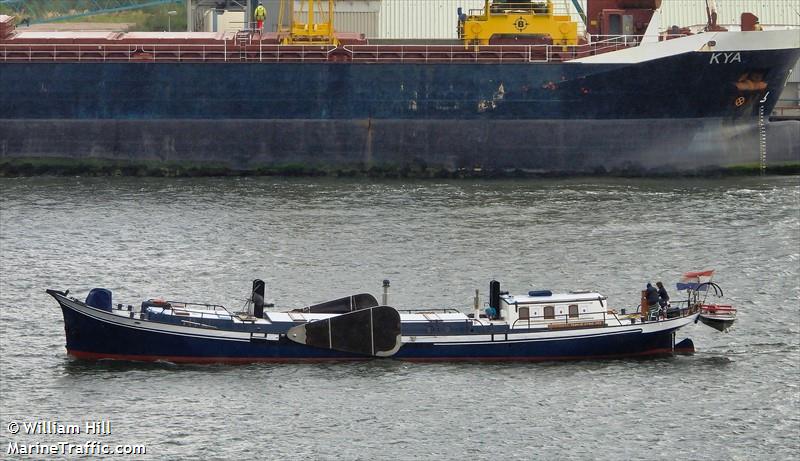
(437, 241)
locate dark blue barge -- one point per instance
(539, 326)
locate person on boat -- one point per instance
(260, 15)
(663, 296)
(652, 301)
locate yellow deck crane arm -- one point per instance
(519, 19)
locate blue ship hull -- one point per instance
(667, 88)
(97, 334)
(678, 112)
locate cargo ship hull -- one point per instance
(578, 146)
(678, 111)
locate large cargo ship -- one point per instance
(520, 90)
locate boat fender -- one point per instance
(159, 302)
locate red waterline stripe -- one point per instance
(648, 353)
(188, 359)
(241, 360)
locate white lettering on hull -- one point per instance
(725, 58)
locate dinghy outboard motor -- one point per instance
(258, 298)
(494, 297)
(99, 298)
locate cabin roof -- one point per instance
(106, 36)
(554, 298)
(64, 35)
(176, 35)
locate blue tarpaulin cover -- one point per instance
(691, 286)
(99, 298)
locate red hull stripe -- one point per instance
(559, 358)
(234, 360)
(188, 359)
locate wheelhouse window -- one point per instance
(549, 312)
(573, 311)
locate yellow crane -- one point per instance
(308, 32)
(519, 19)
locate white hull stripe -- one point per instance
(723, 42)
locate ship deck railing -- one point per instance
(197, 310)
(229, 51)
(437, 310)
(534, 321)
(584, 317)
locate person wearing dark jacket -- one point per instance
(663, 296)
(652, 302)
(652, 295)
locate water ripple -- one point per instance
(312, 240)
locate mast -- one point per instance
(711, 13)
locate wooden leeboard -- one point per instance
(374, 332)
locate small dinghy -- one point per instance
(699, 287)
(718, 316)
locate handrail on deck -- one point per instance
(540, 319)
(537, 320)
(201, 305)
(439, 310)
(202, 309)
(260, 52)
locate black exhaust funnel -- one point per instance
(494, 296)
(258, 298)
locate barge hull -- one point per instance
(93, 334)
